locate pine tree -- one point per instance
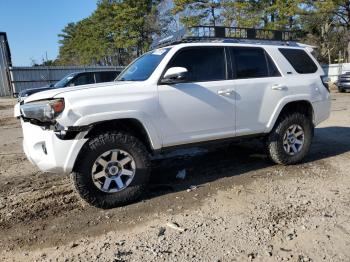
(113, 35)
(192, 13)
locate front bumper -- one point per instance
(17, 110)
(45, 150)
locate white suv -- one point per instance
(187, 93)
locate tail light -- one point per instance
(325, 81)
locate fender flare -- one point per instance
(144, 119)
(282, 103)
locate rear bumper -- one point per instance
(322, 110)
(45, 150)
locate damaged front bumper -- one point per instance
(51, 148)
(45, 149)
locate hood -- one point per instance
(31, 91)
(56, 92)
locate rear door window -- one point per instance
(273, 71)
(250, 62)
(300, 60)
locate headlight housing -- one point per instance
(44, 111)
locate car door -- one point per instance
(202, 107)
(259, 87)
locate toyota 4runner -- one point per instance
(185, 92)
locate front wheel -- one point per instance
(112, 170)
(290, 140)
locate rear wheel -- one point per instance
(112, 170)
(290, 140)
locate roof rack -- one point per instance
(225, 34)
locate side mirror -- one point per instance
(174, 75)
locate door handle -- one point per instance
(279, 87)
(225, 92)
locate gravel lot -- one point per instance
(233, 205)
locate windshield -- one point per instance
(142, 68)
(64, 81)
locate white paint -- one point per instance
(180, 113)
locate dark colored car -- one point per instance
(74, 79)
(344, 82)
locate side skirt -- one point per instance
(216, 142)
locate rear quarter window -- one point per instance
(300, 60)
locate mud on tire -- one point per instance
(274, 142)
(92, 150)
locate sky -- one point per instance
(32, 26)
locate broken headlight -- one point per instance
(44, 111)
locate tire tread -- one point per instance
(273, 144)
(98, 198)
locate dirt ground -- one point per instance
(233, 205)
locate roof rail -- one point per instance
(223, 33)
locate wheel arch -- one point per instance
(302, 106)
(132, 126)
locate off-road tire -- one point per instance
(274, 141)
(94, 147)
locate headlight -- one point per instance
(44, 110)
